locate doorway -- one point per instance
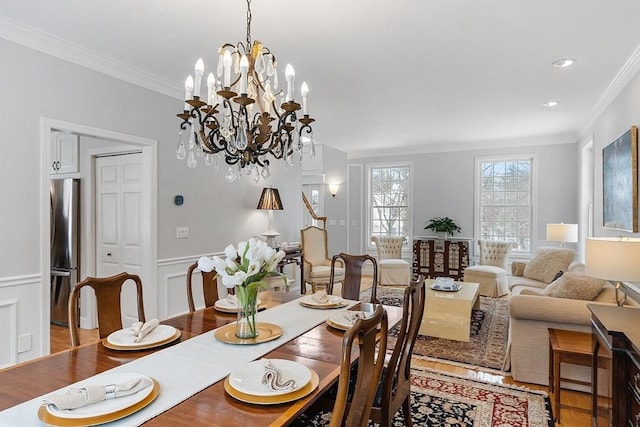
(121, 142)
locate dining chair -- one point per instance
(209, 287)
(392, 268)
(353, 405)
(107, 291)
(491, 273)
(352, 275)
(394, 390)
(315, 258)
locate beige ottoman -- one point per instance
(392, 271)
(493, 280)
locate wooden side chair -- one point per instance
(394, 390)
(315, 257)
(107, 292)
(355, 412)
(209, 287)
(352, 275)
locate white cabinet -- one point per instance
(64, 153)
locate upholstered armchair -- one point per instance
(393, 270)
(315, 257)
(491, 274)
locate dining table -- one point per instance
(318, 347)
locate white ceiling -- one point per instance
(412, 75)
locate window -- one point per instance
(389, 204)
(504, 199)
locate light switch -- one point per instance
(332, 222)
(343, 222)
(182, 232)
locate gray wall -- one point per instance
(443, 185)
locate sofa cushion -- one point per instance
(575, 286)
(547, 262)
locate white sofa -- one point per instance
(532, 313)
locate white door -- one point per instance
(119, 208)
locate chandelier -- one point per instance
(241, 121)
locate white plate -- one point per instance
(124, 337)
(345, 319)
(333, 301)
(104, 407)
(225, 305)
(455, 287)
(248, 379)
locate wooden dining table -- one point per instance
(318, 348)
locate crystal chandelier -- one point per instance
(241, 121)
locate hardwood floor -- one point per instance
(569, 417)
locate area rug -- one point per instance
(440, 399)
(489, 330)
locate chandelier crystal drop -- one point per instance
(241, 122)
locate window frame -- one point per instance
(533, 214)
(368, 180)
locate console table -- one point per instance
(434, 257)
(617, 331)
(293, 256)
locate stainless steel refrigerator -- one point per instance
(65, 245)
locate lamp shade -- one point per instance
(562, 232)
(615, 259)
(270, 199)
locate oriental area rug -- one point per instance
(440, 399)
(487, 347)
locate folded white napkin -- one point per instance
(205, 264)
(140, 330)
(78, 397)
(232, 299)
(320, 297)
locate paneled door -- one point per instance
(119, 243)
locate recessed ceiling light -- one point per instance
(563, 63)
(550, 103)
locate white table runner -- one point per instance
(191, 366)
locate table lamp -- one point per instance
(562, 233)
(270, 200)
(615, 259)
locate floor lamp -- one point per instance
(615, 259)
(270, 200)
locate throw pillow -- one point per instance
(546, 263)
(575, 286)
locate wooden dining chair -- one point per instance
(353, 405)
(209, 287)
(352, 273)
(107, 290)
(394, 390)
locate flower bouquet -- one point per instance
(244, 269)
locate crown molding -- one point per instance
(459, 146)
(49, 44)
(621, 79)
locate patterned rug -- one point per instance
(440, 399)
(489, 328)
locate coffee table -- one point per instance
(448, 314)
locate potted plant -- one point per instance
(443, 226)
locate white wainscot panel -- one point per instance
(9, 332)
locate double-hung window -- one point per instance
(504, 200)
(389, 200)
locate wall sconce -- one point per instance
(333, 189)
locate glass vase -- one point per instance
(246, 325)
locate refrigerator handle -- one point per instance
(60, 273)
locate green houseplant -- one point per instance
(444, 225)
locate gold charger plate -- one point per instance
(273, 400)
(325, 306)
(336, 325)
(112, 346)
(53, 420)
(266, 332)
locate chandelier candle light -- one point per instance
(244, 128)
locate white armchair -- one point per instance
(392, 269)
(316, 261)
(491, 274)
